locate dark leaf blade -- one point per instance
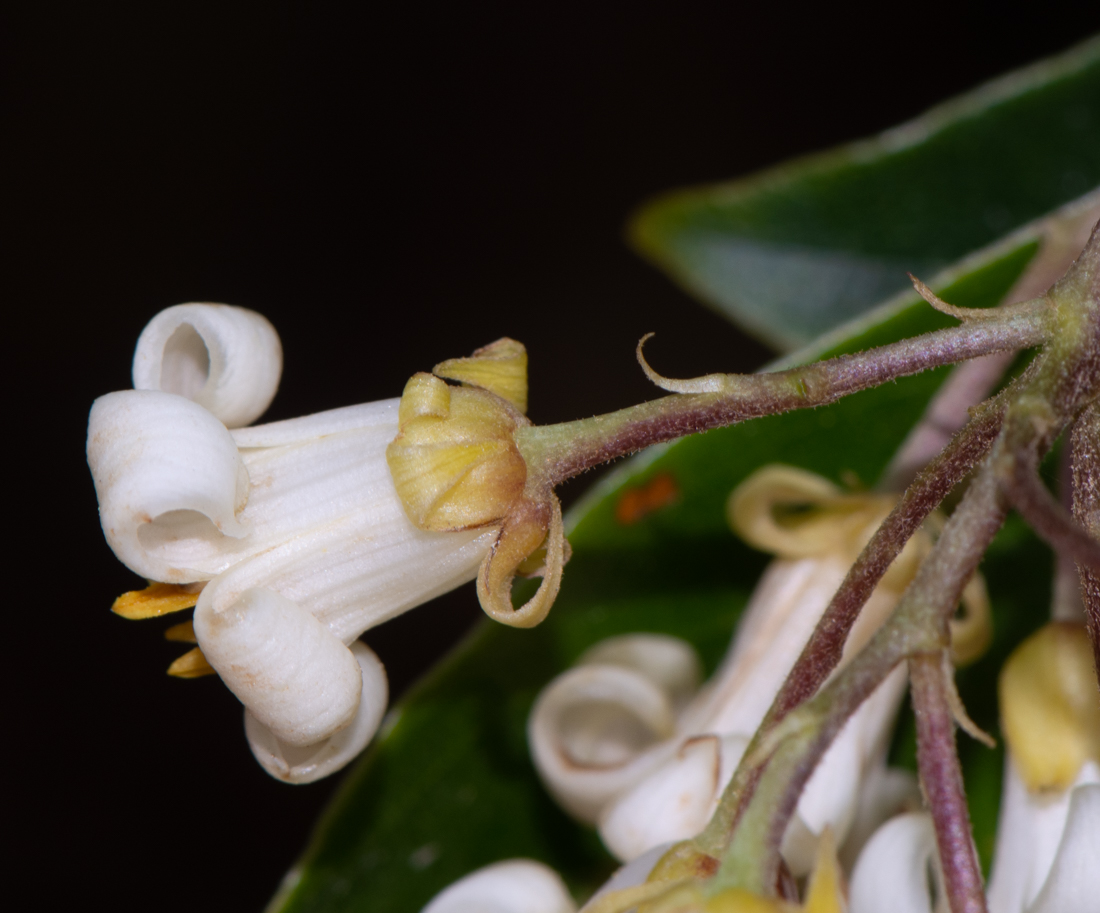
(797, 250)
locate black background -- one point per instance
(391, 188)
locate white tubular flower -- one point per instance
(1048, 836)
(290, 537)
(598, 732)
(513, 886)
(898, 868)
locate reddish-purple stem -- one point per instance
(943, 783)
(1085, 443)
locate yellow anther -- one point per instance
(500, 368)
(1049, 709)
(183, 633)
(157, 599)
(191, 665)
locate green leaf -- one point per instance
(799, 249)
(449, 786)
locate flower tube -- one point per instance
(290, 539)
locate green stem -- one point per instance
(555, 453)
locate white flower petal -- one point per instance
(674, 802)
(304, 765)
(832, 793)
(884, 793)
(309, 427)
(893, 870)
(632, 874)
(1029, 833)
(590, 733)
(777, 622)
(327, 529)
(227, 359)
(1073, 885)
(671, 663)
(165, 471)
(286, 667)
(514, 886)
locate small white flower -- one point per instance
(290, 535)
(513, 886)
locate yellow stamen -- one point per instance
(191, 665)
(1049, 711)
(972, 631)
(156, 599)
(825, 893)
(183, 633)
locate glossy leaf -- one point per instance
(799, 249)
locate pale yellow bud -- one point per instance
(1050, 710)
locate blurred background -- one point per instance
(391, 187)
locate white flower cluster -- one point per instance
(292, 531)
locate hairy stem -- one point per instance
(1048, 518)
(943, 784)
(559, 452)
(1085, 444)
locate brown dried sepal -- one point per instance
(527, 527)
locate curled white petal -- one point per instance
(893, 870)
(673, 802)
(286, 667)
(293, 764)
(165, 471)
(1073, 885)
(227, 359)
(514, 886)
(590, 731)
(670, 662)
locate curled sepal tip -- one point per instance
(710, 383)
(526, 528)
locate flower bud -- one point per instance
(1048, 706)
